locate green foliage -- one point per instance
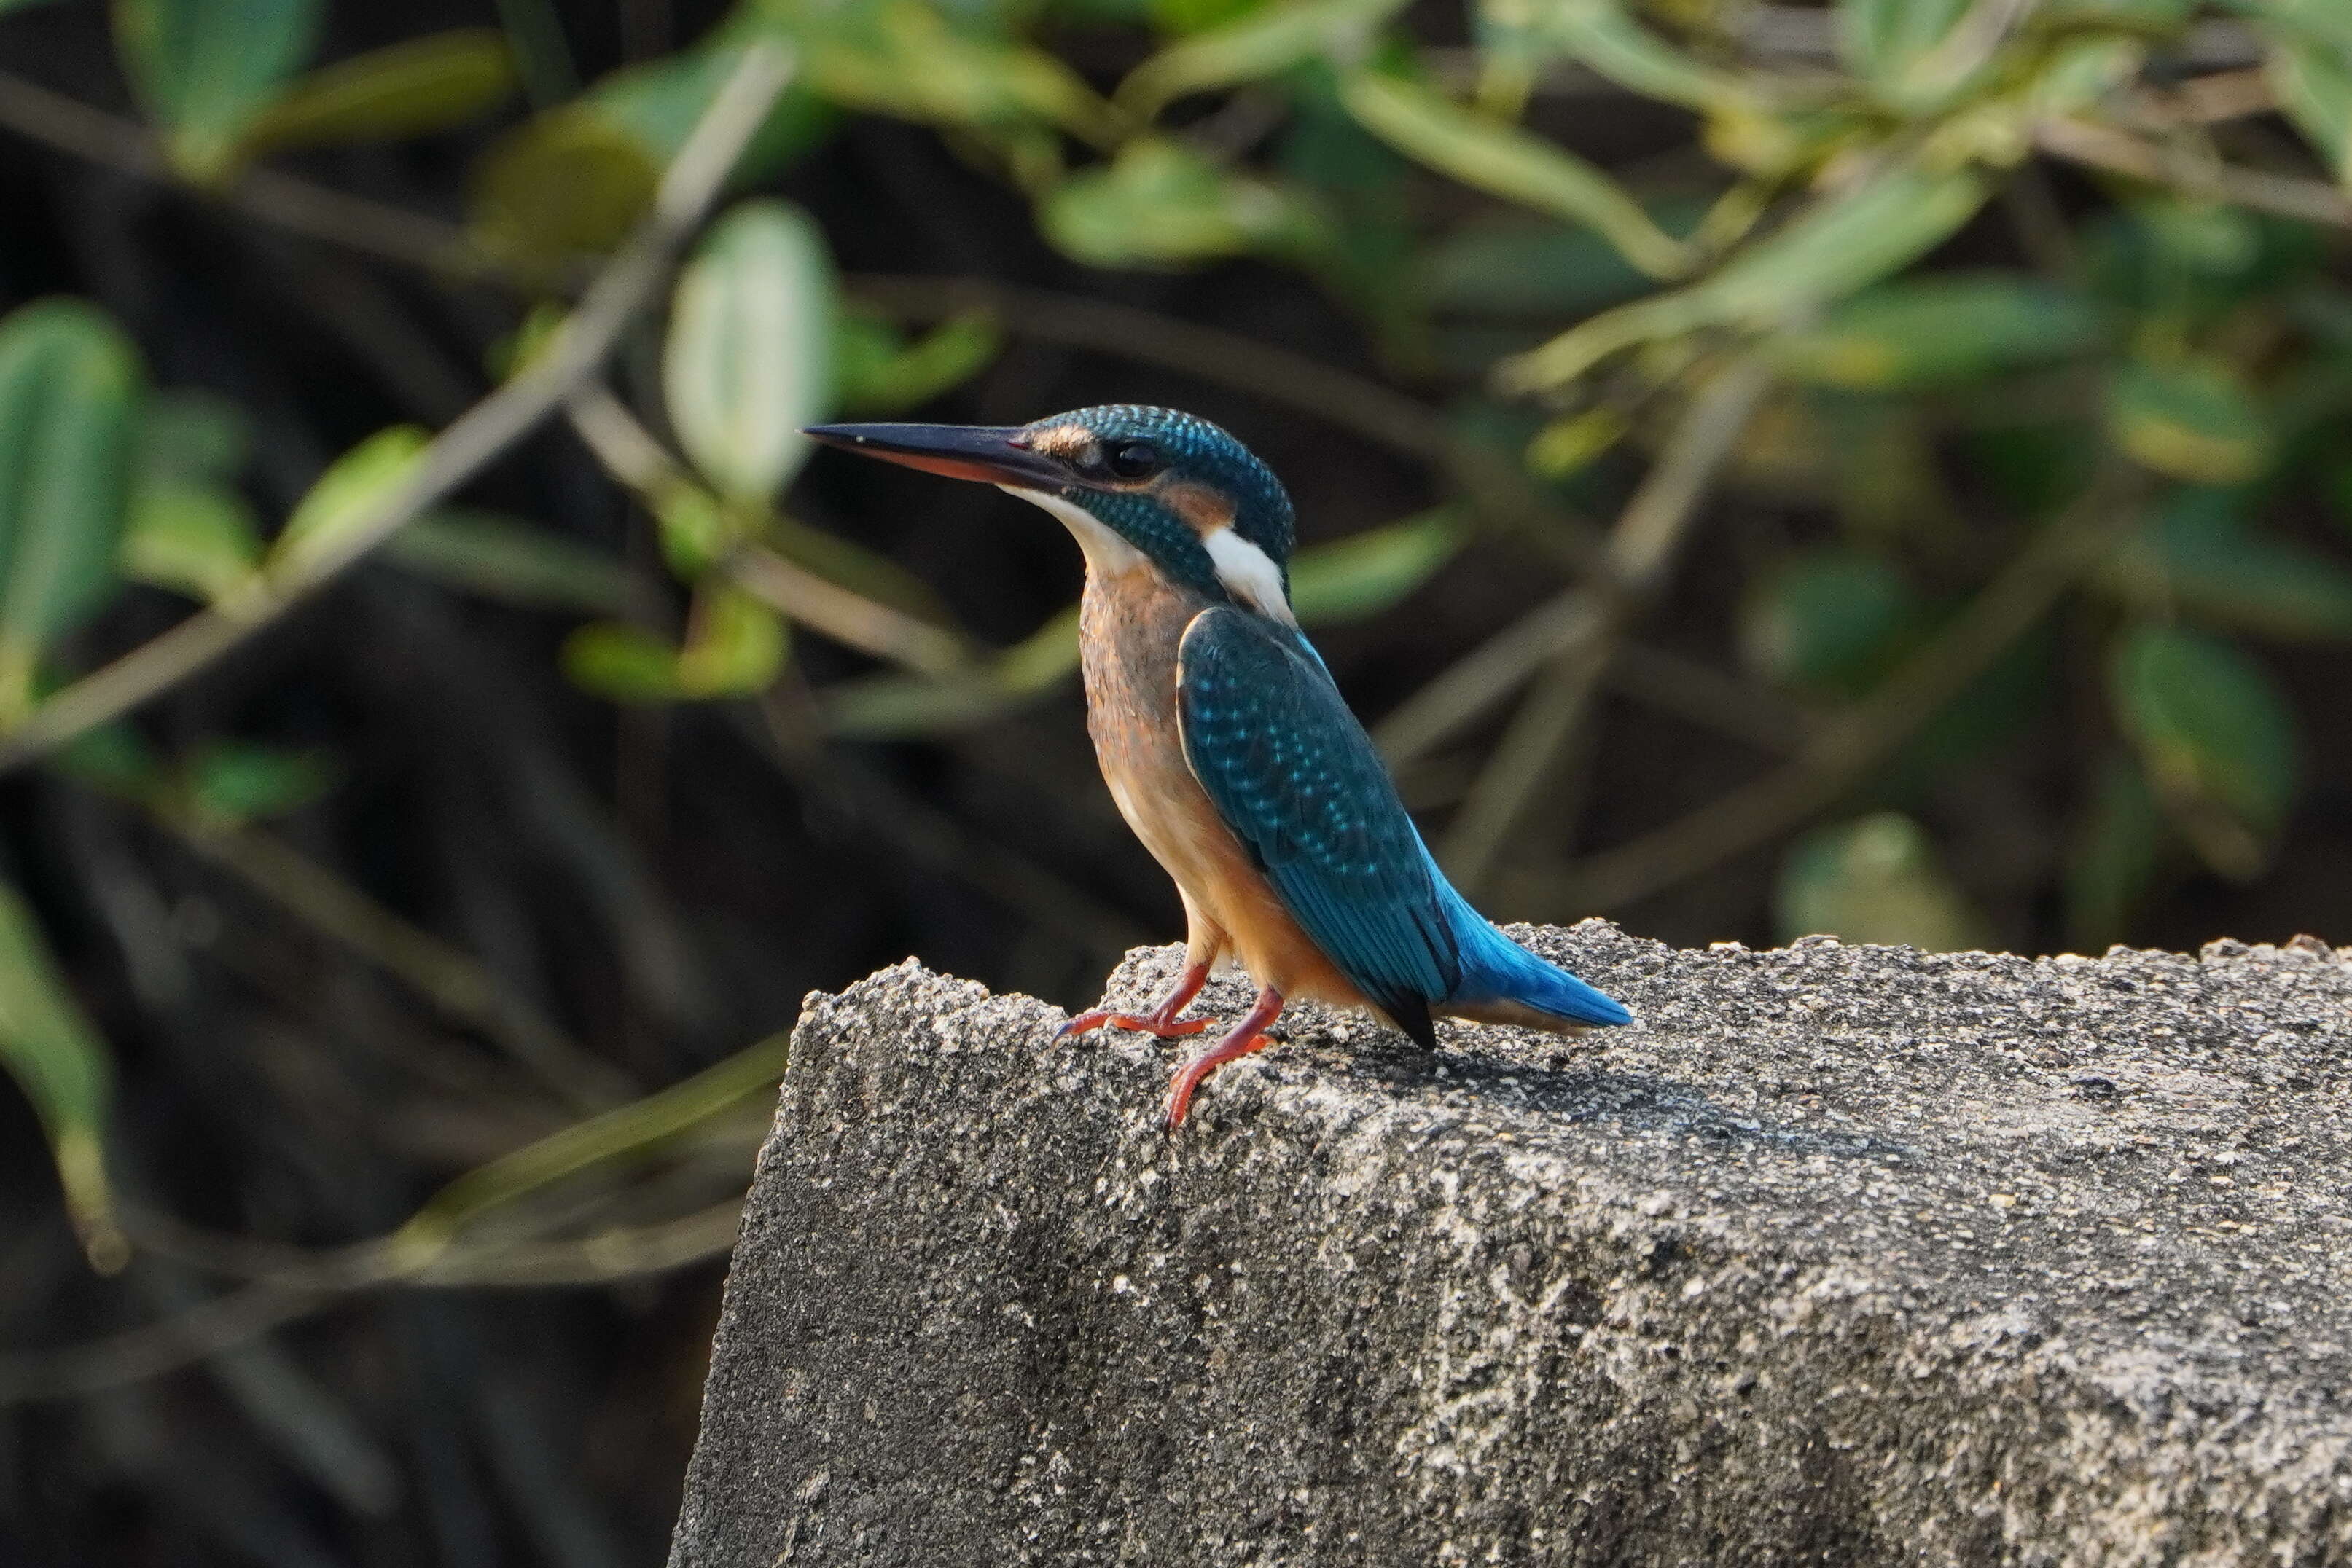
(69, 389)
(750, 358)
(61, 1064)
(1944, 329)
(406, 89)
(2217, 737)
(349, 494)
(1875, 879)
(1830, 622)
(209, 69)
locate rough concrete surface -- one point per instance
(1841, 1255)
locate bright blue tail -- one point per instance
(1495, 969)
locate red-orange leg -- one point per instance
(1247, 1036)
(1161, 1020)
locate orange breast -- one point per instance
(1130, 627)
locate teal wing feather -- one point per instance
(1296, 778)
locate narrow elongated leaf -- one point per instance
(196, 539)
(876, 374)
(69, 385)
(1603, 35)
(2199, 560)
(228, 783)
(1935, 330)
(622, 664)
(1499, 158)
(347, 493)
(1838, 246)
(187, 434)
(2217, 738)
(508, 558)
(59, 1060)
(903, 57)
(1830, 622)
(1875, 879)
(635, 1130)
(735, 643)
(206, 69)
(1161, 203)
(1358, 578)
(2193, 418)
(1262, 42)
(406, 89)
(563, 188)
(2313, 82)
(1904, 49)
(750, 356)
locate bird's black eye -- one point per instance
(1135, 459)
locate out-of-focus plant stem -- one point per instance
(1642, 550)
(459, 452)
(1847, 748)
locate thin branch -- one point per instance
(2121, 153)
(459, 452)
(1642, 548)
(1846, 749)
(457, 985)
(629, 452)
(297, 205)
(314, 1283)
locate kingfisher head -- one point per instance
(1142, 488)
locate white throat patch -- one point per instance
(1247, 572)
(1106, 553)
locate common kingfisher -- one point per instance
(1227, 747)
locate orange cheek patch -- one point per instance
(1203, 510)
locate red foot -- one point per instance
(1246, 1036)
(1161, 1020)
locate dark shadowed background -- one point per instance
(1762, 470)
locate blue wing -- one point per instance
(1296, 779)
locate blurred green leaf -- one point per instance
(2199, 558)
(1573, 443)
(1362, 575)
(1604, 36)
(1161, 203)
(735, 645)
(1259, 43)
(2190, 419)
(564, 187)
(2035, 469)
(2216, 737)
(908, 60)
(2113, 857)
(1939, 329)
(2189, 260)
(1838, 245)
(206, 68)
(1876, 879)
(228, 783)
(185, 432)
(508, 559)
(2140, 16)
(878, 372)
(1501, 159)
(749, 358)
(112, 758)
(622, 664)
(660, 101)
(2313, 82)
(409, 88)
(347, 494)
(69, 390)
(1904, 49)
(59, 1060)
(195, 540)
(1829, 620)
(1515, 266)
(696, 530)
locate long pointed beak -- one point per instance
(994, 454)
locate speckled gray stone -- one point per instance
(1841, 1255)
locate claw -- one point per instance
(1246, 1036)
(1151, 1023)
